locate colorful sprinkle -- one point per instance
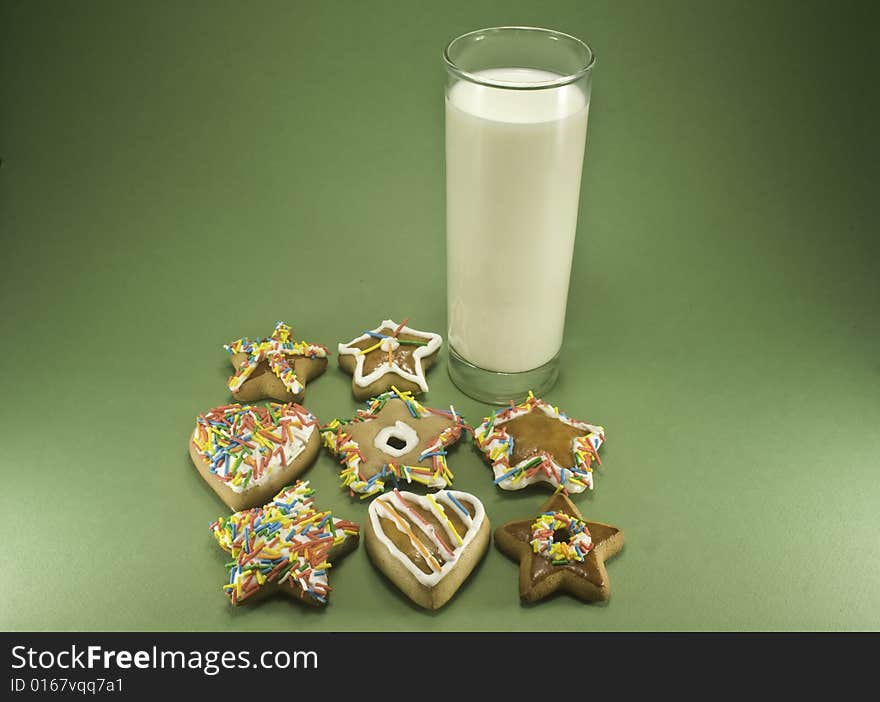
(561, 538)
(241, 445)
(281, 542)
(346, 449)
(275, 350)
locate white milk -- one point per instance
(513, 174)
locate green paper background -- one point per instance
(175, 175)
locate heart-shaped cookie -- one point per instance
(248, 453)
(427, 546)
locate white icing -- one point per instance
(389, 344)
(361, 380)
(400, 430)
(474, 523)
(299, 437)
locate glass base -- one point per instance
(496, 388)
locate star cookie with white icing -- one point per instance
(427, 546)
(275, 367)
(559, 551)
(536, 443)
(394, 440)
(286, 546)
(391, 355)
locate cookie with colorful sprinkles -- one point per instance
(427, 546)
(274, 367)
(536, 443)
(391, 355)
(394, 440)
(288, 545)
(247, 453)
(558, 550)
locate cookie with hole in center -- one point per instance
(391, 355)
(558, 550)
(427, 545)
(395, 440)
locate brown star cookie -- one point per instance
(558, 550)
(287, 545)
(275, 367)
(396, 439)
(391, 355)
(535, 442)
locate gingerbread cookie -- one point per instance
(391, 355)
(534, 442)
(246, 453)
(395, 439)
(558, 550)
(427, 546)
(287, 545)
(276, 367)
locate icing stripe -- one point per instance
(426, 527)
(438, 510)
(404, 527)
(461, 508)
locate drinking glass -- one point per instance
(517, 100)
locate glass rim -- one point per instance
(512, 85)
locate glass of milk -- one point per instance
(517, 100)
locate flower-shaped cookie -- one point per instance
(535, 442)
(286, 545)
(276, 367)
(558, 550)
(395, 439)
(391, 355)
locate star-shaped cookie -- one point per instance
(395, 439)
(286, 545)
(275, 367)
(391, 355)
(535, 442)
(576, 565)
